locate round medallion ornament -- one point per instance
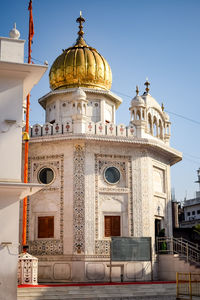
(46, 175)
(112, 175)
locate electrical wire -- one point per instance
(192, 155)
(122, 94)
(183, 117)
(191, 160)
(172, 113)
(32, 58)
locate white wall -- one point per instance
(190, 210)
(11, 93)
(9, 220)
(16, 81)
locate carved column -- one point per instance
(79, 200)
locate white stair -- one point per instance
(103, 292)
(169, 264)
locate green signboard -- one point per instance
(131, 249)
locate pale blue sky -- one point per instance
(145, 38)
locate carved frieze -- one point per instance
(46, 247)
(112, 190)
(102, 247)
(89, 203)
(79, 200)
(137, 200)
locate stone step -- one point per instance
(104, 297)
(111, 292)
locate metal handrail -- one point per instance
(195, 245)
(182, 247)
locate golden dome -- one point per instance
(80, 65)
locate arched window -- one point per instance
(160, 130)
(84, 109)
(138, 115)
(167, 129)
(132, 115)
(79, 108)
(155, 128)
(149, 124)
(143, 114)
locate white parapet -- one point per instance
(82, 126)
(90, 128)
(100, 128)
(47, 129)
(57, 128)
(132, 131)
(67, 127)
(36, 130)
(111, 129)
(121, 130)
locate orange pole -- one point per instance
(25, 172)
(31, 33)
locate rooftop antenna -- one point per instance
(185, 198)
(198, 176)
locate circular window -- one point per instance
(112, 175)
(46, 175)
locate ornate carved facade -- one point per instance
(47, 246)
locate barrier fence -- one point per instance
(187, 286)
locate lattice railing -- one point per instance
(184, 248)
(91, 128)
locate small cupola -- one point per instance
(79, 95)
(79, 102)
(137, 108)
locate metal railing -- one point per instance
(187, 250)
(187, 286)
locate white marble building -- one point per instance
(102, 179)
(16, 81)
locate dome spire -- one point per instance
(137, 90)
(80, 20)
(147, 84)
(14, 33)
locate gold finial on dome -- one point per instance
(137, 90)
(147, 83)
(80, 20)
(162, 107)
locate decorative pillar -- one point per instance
(79, 200)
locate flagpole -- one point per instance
(24, 226)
